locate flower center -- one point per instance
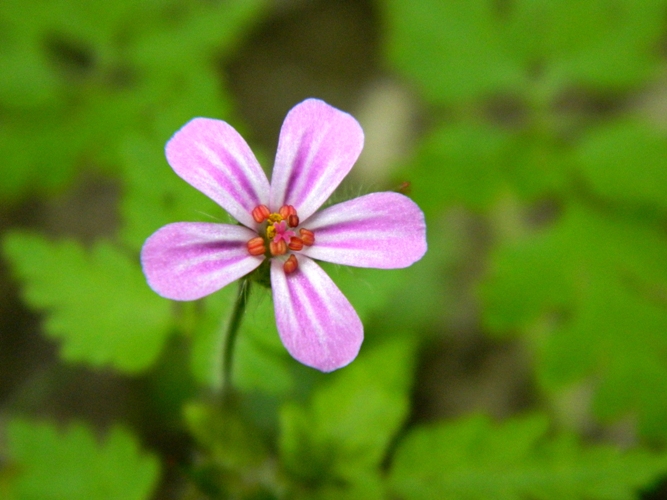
(280, 234)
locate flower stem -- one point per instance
(232, 331)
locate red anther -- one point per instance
(256, 246)
(308, 237)
(287, 210)
(293, 220)
(279, 248)
(260, 213)
(295, 243)
(290, 265)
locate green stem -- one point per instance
(232, 331)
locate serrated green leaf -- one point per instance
(476, 459)
(96, 302)
(72, 464)
(626, 161)
(600, 282)
(345, 430)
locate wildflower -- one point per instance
(318, 146)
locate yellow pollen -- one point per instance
(270, 229)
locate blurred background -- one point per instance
(525, 356)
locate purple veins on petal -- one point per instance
(318, 146)
(212, 156)
(317, 324)
(189, 260)
(381, 230)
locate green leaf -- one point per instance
(96, 302)
(461, 50)
(36, 153)
(599, 285)
(83, 77)
(460, 163)
(595, 43)
(201, 32)
(346, 428)
(474, 164)
(453, 49)
(476, 459)
(626, 161)
(72, 464)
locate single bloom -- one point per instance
(318, 146)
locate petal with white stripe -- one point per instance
(318, 146)
(317, 324)
(381, 230)
(211, 156)
(189, 260)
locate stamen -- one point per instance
(273, 218)
(293, 220)
(278, 248)
(290, 265)
(270, 231)
(260, 213)
(287, 210)
(256, 246)
(295, 243)
(308, 237)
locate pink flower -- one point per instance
(317, 148)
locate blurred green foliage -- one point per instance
(474, 458)
(73, 463)
(535, 125)
(81, 77)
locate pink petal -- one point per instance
(188, 260)
(317, 148)
(382, 230)
(212, 156)
(317, 324)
